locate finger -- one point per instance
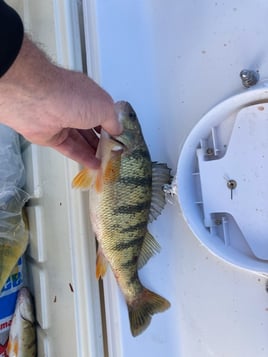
(90, 106)
(77, 148)
(112, 124)
(105, 108)
(107, 116)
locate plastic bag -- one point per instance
(12, 172)
(13, 230)
(13, 227)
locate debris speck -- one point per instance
(55, 299)
(71, 287)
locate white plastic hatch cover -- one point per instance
(224, 195)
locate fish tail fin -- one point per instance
(140, 313)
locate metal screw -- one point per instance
(218, 221)
(249, 77)
(210, 151)
(231, 184)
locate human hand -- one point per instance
(55, 107)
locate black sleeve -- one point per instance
(11, 36)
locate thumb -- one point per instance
(112, 124)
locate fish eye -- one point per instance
(132, 115)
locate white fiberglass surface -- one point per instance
(173, 61)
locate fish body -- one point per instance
(22, 336)
(14, 234)
(125, 194)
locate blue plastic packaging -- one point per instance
(8, 297)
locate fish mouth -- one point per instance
(120, 143)
(121, 107)
(115, 138)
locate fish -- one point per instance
(14, 230)
(22, 335)
(125, 194)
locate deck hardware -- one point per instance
(249, 77)
(231, 184)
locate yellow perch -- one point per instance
(22, 336)
(125, 194)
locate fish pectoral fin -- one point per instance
(12, 347)
(149, 247)
(110, 163)
(99, 181)
(112, 168)
(101, 265)
(160, 177)
(84, 179)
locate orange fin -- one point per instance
(109, 172)
(112, 168)
(84, 179)
(99, 181)
(108, 151)
(13, 347)
(141, 311)
(101, 265)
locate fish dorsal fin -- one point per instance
(149, 247)
(160, 177)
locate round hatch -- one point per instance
(222, 180)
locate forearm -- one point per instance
(29, 80)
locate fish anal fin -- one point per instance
(84, 179)
(160, 177)
(140, 312)
(149, 247)
(101, 265)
